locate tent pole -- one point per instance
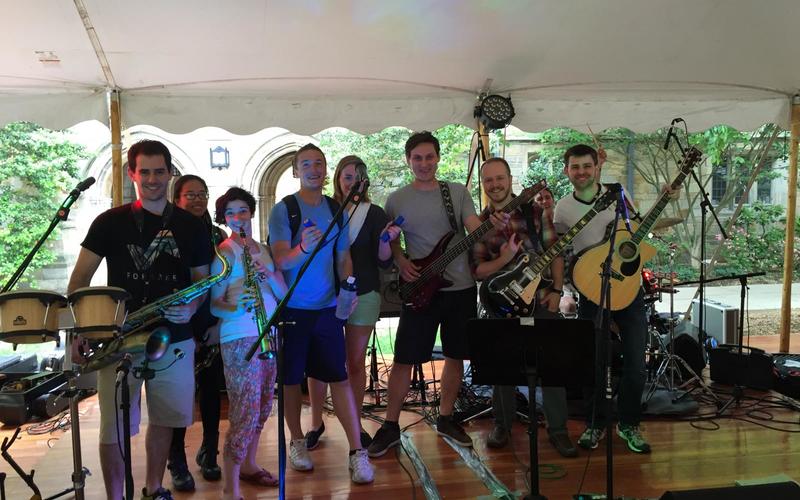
(478, 155)
(116, 150)
(791, 209)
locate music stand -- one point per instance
(522, 351)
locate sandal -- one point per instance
(260, 478)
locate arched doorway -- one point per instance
(277, 182)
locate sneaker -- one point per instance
(446, 426)
(182, 479)
(159, 494)
(590, 438)
(632, 436)
(312, 437)
(384, 439)
(563, 444)
(207, 460)
(498, 437)
(299, 458)
(366, 439)
(361, 471)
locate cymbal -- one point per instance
(666, 222)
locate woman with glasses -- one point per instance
(190, 193)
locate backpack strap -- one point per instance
(293, 212)
(447, 200)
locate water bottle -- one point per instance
(347, 293)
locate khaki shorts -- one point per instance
(170, 394)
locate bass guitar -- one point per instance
(630, 252)
(418, 294)
(510, 294)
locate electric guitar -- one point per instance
(630, 252)
(418, 294)
(510, 294)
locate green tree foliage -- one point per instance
(548, 163)
(37, 167)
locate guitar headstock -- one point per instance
(529, 192)
(690, 160)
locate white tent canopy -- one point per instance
(306, 65)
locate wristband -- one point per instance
(558, 291)
(303, 249)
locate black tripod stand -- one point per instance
(738, 387)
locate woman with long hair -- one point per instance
(370, 233)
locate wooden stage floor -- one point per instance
(684, 457)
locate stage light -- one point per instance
(495, 111)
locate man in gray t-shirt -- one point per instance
(426, 222)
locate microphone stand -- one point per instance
(123, 368)
(705, 206)
(738, 387)
(353, 197)
(603, 329)
(61, 214)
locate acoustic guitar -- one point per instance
(630, 251)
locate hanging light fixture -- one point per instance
(494, 111)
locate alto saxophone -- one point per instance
(135, 331)
(252, 283)
(154, 311)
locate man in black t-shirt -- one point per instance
(152, 248)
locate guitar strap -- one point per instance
(448, 204)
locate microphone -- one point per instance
(179, 354)
(671, 132)
(83, 185)
(359, 188)
(124, 365)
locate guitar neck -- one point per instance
(554, 251)
(652, 216)
(454, 251)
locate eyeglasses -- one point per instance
(195, 196)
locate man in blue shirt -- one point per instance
(314, 343)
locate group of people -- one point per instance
(153, 247)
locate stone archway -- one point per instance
(264, 171)
(101, 167)
(273, 187)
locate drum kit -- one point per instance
(94, 340)
(663, 364)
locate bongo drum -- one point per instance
(98, 311)
(30, 316)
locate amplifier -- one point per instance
(391, 303)
(722, 320)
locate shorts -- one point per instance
(416, 333)
(367, 311)
(313, 346)
(169, 403)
